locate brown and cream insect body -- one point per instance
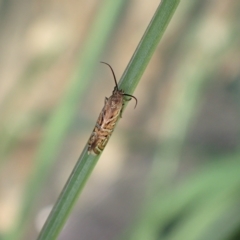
(107, 119)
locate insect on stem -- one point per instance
(108, 117)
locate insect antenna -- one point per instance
(113, 74)
(117, 84)
(132, 97)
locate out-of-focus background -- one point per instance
(172, 167)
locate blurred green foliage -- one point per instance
(187, 127)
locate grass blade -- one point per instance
(128, 82)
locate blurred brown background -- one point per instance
(40, 42)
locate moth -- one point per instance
(111, 112)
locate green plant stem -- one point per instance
(69, 195)
(147, 45)
(128, 82)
